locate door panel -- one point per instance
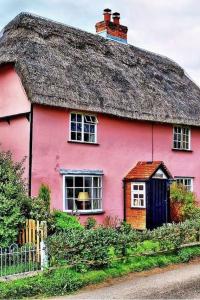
(157, 203)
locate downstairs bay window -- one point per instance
(83, 193)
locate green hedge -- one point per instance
(102, 246)
(64, 281)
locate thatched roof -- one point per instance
(67, 67)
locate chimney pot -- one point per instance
(107, 15)
(111, 29)
(116, 18)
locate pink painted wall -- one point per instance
(15, 138)
(122, 144)
(13, 100)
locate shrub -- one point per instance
(61, 221)
(98, 247)
(82, 246)
(40, 206)
(90, 223)
(13, 199)
(112, 222)
(183, 203)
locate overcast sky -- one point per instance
(168, 27)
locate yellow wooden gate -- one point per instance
(33, 233)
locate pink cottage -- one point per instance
(105, 124)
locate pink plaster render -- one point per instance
(122, 144)
(15, 134)
(15, 138)
(13, 99)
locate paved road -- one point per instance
(179, 282)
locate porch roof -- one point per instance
(146, 169)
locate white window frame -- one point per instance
(189, 138)
(143, 192)
(86, 210)
(83, 115)
(183, 182)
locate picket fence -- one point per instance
(29, 254)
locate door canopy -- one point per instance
(145, 170)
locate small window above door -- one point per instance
(159, 175)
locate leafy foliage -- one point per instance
(61, 221)
(13, 199)
(183, 203)
(99, 247)
(90, 223)
(40, 205)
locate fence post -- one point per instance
(44, 257)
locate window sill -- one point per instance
(139, 207)
(83, 143)
(85, 213)
(181, 150)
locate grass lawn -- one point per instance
(63, 281)
(18, 268)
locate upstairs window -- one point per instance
(186, 182)
(138, 194)
(181, 139)
(83, 128)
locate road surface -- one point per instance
(175, 282)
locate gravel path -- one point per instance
(177, 282)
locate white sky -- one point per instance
(168, 27)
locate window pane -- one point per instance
(70, 193)
(77, 191)
(79, 127)
(96, 193)
(78, 136)
(96, 204)
(92, 128)
(70, 204)
(135, 187)
(73, 117)
(86, 128)
(92, 138)
(95, 181)
(89, 191)
(73, 136)
(79, 118)
(135, 202)
(88, 181)
(86, 137)
(78, 181)
(94, 119)
(69, 181)
(73, 126)
(83, 205)
(141, 187)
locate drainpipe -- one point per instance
(152, 141)
(124, 187)
(30, 150)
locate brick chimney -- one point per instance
(112, 29)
